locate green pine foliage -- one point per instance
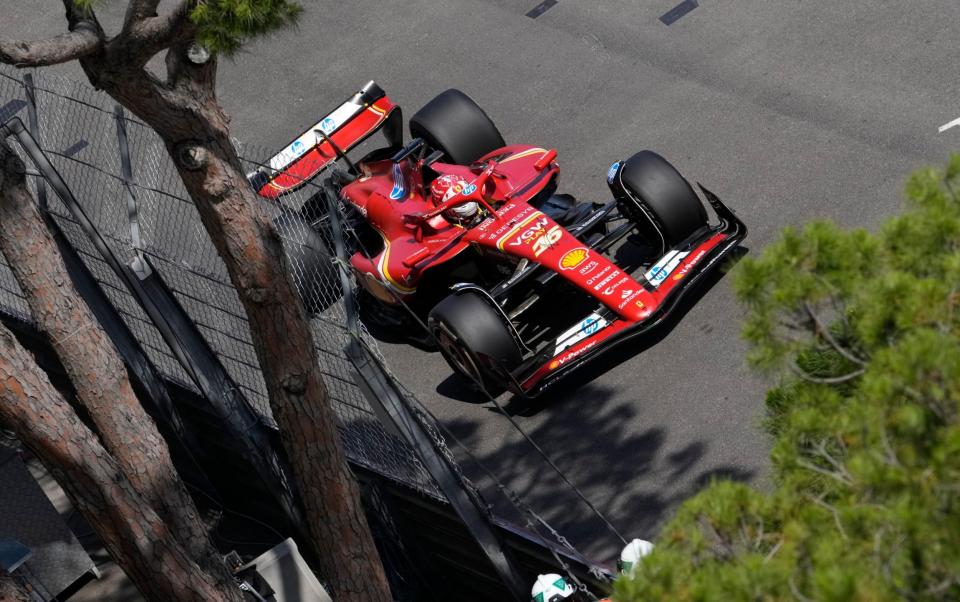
(865, 505)
(224, 25)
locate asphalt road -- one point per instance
(790, 111)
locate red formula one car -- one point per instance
(519, 285)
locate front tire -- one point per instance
(453, 123)
(650, 191)
(472, 336)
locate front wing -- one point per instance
(697, 259)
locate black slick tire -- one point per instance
(471, 334)
(453, 123)
(651, 191)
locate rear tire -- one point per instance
(453, 123)
(650, 190)
(309, 260)
(470, 333)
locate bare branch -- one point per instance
(831, 380)
(149, 35)
(796, 592)
(138, 10)
(821, 449)
(888, 449)
(827, 473)
(823, 331)
(84, 40)
(773, 551)
(940, 588)
(836, 515)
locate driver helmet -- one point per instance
(631, 555)
(550, 588)
(443, 188)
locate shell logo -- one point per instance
(573, 258)
(554, 364)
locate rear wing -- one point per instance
(347, 126)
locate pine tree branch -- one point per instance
(796, 592)
(836, 515)
(824, 332)
(84, 39)
(773, 551)
(825, 380)
(827, 473)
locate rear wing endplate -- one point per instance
(347, 126)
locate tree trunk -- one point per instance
(95, 368)
(183, 109)
(194, 129)
(135, 536)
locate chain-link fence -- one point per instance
(77, 128)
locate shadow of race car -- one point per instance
(518, 285)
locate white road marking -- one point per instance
(947, 126)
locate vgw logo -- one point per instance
(537, 234)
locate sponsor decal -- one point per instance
(625, 293)
(628, 298)
(659, 272)
(512, 228)
(606, 280)
(533, 232)
(309, 138)
(686, 269)
(469, 189)
(613, 287)
(612, 172)
(591, 265)
(573, 258)
(546, 241)
(589, 326)
(485, 224)
(399, 185)
(598, 275)
(640, 304)
(504, 225)
(563, 359)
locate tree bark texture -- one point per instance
(195, 131)
(95, 368)
(184, 111)
(135, 536)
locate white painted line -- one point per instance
(947, 126)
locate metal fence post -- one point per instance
(138, 264)
(34, 120)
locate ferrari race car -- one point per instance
(517, 284)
